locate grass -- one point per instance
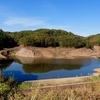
(24, 86)
(10, 90)
(93, 79)
(83, 93)
(14, 52)
(54, 53)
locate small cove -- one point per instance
(24, 69)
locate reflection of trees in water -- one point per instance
(5, 63)
(15, 59)
(41, 68)
(45, 65)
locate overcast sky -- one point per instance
(82, 17)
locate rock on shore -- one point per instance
(51, 52)
(26, 52)
(58, 52)
(2, 57)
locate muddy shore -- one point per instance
(65, 81)
(50, 52)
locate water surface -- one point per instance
(24, 69)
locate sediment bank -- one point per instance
(66, 81)
(58, 52)
(50, 52)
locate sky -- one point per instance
(81, 17)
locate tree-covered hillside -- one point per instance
(6, 40)
(46, 38)
(93, 40)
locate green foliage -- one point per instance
(2, 78)
(94, 79)
(8, 86)
(81, 91)
(89, 45)
(47, 38)
(6, 40)
(24, 86)
(93, 40)
(11, 90)
(4, 87)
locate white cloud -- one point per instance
(23, 22)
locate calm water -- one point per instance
(35, 69)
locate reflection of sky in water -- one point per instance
(16, 70)
(21, 77)
(87, 66)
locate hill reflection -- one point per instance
(5, 63)
(41, 68)
(46, 65)
(30, 65)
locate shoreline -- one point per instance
(56, 53)
(65, 81)
(51, 52)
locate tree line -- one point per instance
(46, 38)
(6, 40)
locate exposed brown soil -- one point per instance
(64, 53)
(57, 52)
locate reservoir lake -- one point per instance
(25, 69)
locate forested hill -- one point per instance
(6, 40)
(46, 38)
